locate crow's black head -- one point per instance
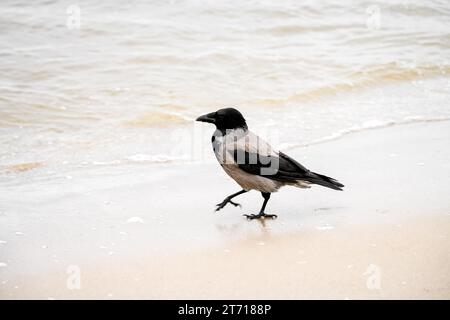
(228, 118)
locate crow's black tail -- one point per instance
(325, 181)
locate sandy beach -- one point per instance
(152, 233)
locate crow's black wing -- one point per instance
(280, 167)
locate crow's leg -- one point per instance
(261, 214)
(228, 200)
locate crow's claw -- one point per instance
(235, 204)
(260, 216)
(225, 202)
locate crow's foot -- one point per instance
(225, 202)
(261, 215)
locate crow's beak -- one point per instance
(207, 118)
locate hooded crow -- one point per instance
(253, 163)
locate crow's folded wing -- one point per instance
(280, 167)
(276, 166)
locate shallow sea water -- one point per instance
(98, 87)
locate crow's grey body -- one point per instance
(244, 141)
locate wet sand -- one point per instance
(153, 233)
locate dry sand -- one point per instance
(385, 236)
